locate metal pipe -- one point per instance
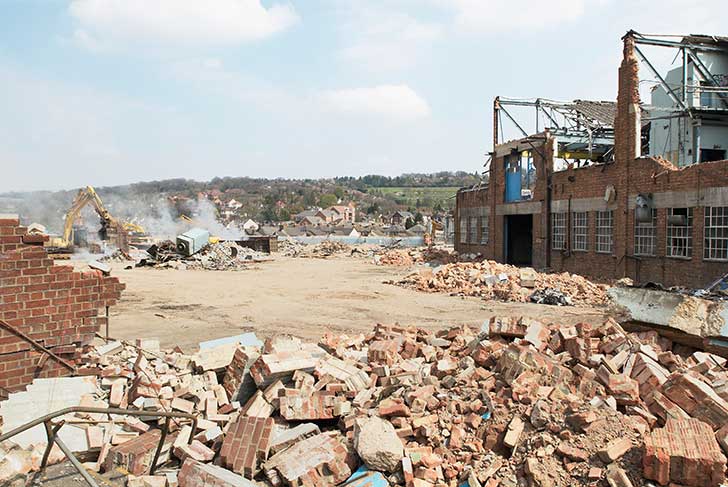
(81, 409)
(51, 435)
(107, 324)
(165, 429)
(75, 462)
(684, 76)
(36, 344)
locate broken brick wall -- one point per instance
(52, 304)
(490, 201)
(698, 186)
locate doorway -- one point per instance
(519, 239)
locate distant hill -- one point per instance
(260, 199)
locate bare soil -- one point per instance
(302, 297)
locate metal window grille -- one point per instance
(580, 231)
(463, 230)
(645, 236)
(716, 233)
(558, 231)
(484, 230)
(605, 225)
(473, 231)
(680, 232)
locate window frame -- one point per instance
(472, 230)
(640, 238)
(579, 229)
(463, 230)
(604, 216)
(484, 229)
(722, 228)
(672, 229)
(558, 222)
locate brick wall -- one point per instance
(53, 304)
(629, 175)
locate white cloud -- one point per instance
(386, 40)
(498, 16)
(398, 102)
(87, 41)
(179, 21)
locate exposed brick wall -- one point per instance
(630, 174)
(53, 304)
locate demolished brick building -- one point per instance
(625, 214)
(44, 308)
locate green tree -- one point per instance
(327, 200)
(339, 192)
(419, 218)
(409, 223)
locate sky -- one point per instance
(108, 92)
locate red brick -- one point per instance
(246, 443)
(684, 452)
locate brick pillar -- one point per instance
(627, 122)
(627, 147)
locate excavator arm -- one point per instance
(110, 225)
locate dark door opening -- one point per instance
(519, 239)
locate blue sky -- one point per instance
(108, 92)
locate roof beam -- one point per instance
(651, 41)
(664, 84)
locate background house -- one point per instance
(399, 217)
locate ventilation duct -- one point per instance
(643, 209)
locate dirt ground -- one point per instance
(303, 297)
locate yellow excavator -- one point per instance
(111, 229)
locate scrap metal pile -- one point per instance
(515, 403)
(219, 256)
(492, 280)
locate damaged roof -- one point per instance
(602, 112)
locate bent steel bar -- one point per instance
(53, 436)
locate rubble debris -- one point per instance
(136, 454)
(323, 250)
(516, 402)
(550, 296)
(377, 444)
(220, 256)
(684, 452)
(492, 280)
(116, 256)
(246, 443)
(432, 256)
(196, 474)
(395, 257)
(688, 318)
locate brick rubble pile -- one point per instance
(323, 250)
(395, 257)
(419, 255)
(492, 280)
(516, 403)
